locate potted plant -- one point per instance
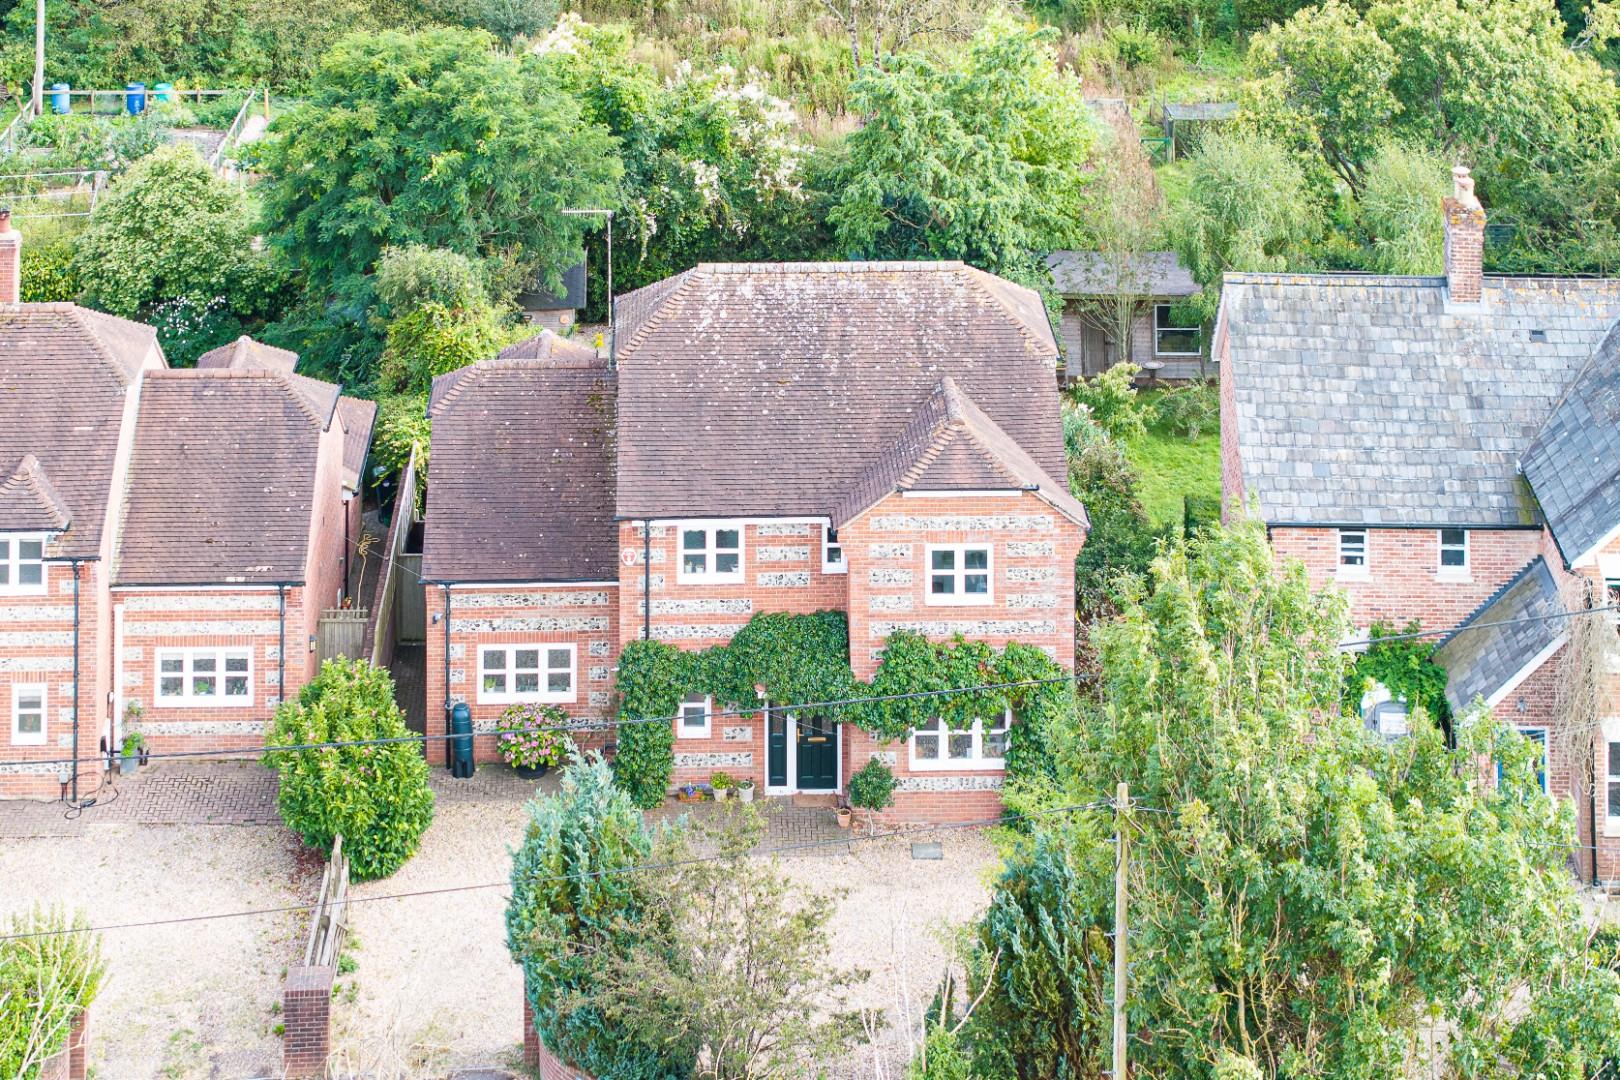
(130, 758)
(132, 719)
(689, 793)
(723, 785)
(871, 789)
(745, 790)
(845, 816)
(533, 741)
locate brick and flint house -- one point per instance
(880, 439)
(167, 537)
(1447, 451)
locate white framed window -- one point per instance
(711, 552)
(696, 717)
(940, 746)
(28, 714)
(1453, 553)
(514, 673)
(201, 677)
(960, 574)
(1353, 553)
(22, 564)
(1384, 714)
(1611, 776)
(832, 553)
(1170, 339)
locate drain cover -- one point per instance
(929, 850)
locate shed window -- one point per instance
(1169, 337)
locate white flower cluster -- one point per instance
(564, 38)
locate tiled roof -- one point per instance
(63, 376)
(1574, 463)
(245, 352)
(522, 454)
(951, 445)
(1090, 273)
(1480, 658)
(358, 417)
(221, 480)
(1362, 400)
(770, 389)
(28, 500)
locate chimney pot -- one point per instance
(1465, 240)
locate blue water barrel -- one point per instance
(135, 98)
(163, 92)
(61, 100)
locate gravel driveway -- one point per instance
(193, 1000)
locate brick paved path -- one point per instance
(786, 826)
(165, 793)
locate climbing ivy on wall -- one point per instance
(805, 658)
(1406, 667)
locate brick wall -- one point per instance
(1403, 582)
(306, 1009)
(36, 648)
(68, 1063)
(323, 566)
(156, 619)
(540, 1060)
(584, 616)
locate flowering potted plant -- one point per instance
(723, 785)
(533, 740)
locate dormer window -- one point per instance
(22, 564)
(711, 553)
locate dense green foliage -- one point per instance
(431, 138)
(377, 797)
(1306, 901)
(790, 660)
(1406, 668)
(48, 272)
(1122, 539)
(45, 982)
(872, 786)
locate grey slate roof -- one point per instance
(522, 453)
(768, 389)
(1078, 274)
(1574, 463)
(1359, 400)
(64, 373)
(1481, 659)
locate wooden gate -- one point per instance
(341, 632)
(410, 602)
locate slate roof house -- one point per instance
(1447, 450)
(876, 438)
(167, 538)
(1160, 343)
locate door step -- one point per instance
(828, 800)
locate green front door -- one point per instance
(817, 750)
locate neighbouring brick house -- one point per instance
(880, 439)
(1154, 283)
(167, 539)
(1446, 450)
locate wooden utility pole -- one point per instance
(1122, 802)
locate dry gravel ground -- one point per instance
(193, 1000)
(433, 989)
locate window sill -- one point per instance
(1352, 575)
(839, 568)
(181, 703)
(18, 741)
(996, 765)
(526, 699)
(711, 579)
(1454, 579)
(31, 590)
(693, 735)
(933, 601)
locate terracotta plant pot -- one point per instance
(845, 816)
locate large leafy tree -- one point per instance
(1307, 901)
(984, 157)
(432, 138)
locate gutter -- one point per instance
(75, 781)
(281, 642)
(449, 744)
(646, 579)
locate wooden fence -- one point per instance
(341, 632)
(381, 634)
(307, 995)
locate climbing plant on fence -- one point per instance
(789, 658)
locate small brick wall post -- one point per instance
(306, 1007)
(78, 1045)
(531, 1037)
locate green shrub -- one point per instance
(872, 786)
(1189, 410)
(1135, 45)
(433, 340)
(413, 276)
(402, 425)
(45, 981)
(1112, 401)
(376, 796)
(48, 273)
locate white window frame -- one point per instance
(682, 731)
(187, 698)
(828, 545)
(1453, 573)
(1158, 330)
(959, 598)
(709, 576)
(1355, 572)
(18, 691)
(13, 562)
(544, 695)
(944, 763)
(1610, 773)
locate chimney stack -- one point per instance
(10, 260)
(1465, 240)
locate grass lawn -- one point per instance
(1170, 466)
